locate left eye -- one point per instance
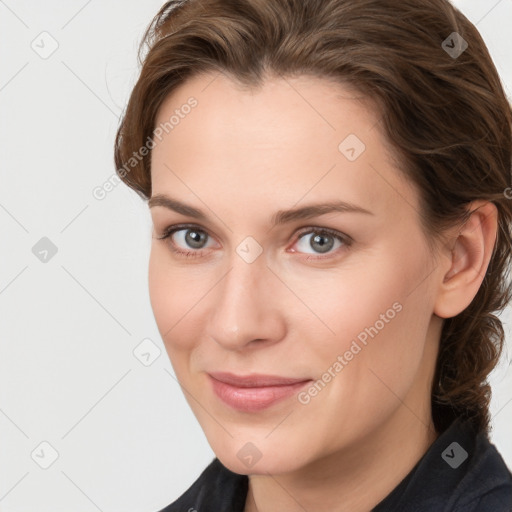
(320, 241)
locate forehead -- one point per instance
(303, 103)
(294, 135)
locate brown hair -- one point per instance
(445, 115)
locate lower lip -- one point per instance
(253, 399)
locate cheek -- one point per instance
(391, 326)
(358, 301)
(160, 293)
(171, 296)
(377, 310)
(381, 355)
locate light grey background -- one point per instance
(125, 437)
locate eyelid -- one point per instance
(319, 229)
(178, 227)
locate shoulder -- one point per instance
(461, 472)
(487, 485)
(216, 488)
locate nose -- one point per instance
(246, 307)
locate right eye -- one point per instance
(186, 240)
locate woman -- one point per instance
(329, 187)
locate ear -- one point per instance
(468, 259)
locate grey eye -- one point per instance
(318, 242)
(191, 238)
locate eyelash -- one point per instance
(345, 239)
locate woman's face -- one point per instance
(306, 260)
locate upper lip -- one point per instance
(255, 380)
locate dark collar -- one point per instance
(460, 471)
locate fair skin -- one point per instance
(239, 157)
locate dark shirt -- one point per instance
(460, 472)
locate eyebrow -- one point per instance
(280, 217)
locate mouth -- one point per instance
(252, 393)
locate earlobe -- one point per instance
(471, 253)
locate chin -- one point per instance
(261, 457)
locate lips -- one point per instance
(251, 393)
